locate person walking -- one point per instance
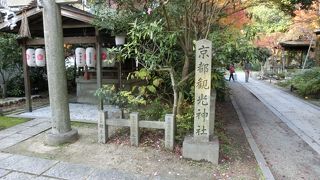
(231, 71)
(247, 69)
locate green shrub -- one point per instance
(154, 110)
(185, 122)
(16, 86)
(256, 66)
(218, 82)
(307, 82)
(281, 75)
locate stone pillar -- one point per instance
(102, 127)
(203, 145)
(61, 131)
(134, 129)
(169, 132)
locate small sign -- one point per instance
(202, 90)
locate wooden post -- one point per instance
(99, 67)
(27, 86)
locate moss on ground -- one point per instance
(7, 122)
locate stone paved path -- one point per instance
(302, 117)
(18, 167)
(78, 112)
(286, 135)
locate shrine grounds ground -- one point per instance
(236, 158)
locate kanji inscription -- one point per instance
(202, 89)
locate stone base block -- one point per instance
(58, 139)
(208, 151)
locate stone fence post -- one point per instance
(134, 129)
(102, 127)
(169, 132)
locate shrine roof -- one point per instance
(75, 22)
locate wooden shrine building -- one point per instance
(301, 48)
(77, 31)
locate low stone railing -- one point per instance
(134, 123)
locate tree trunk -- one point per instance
(175, 98)
(185, 72)
(317, 50)
(4, 90)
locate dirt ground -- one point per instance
(236, 158)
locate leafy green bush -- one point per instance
(185, 122)
(125, 100)
(154, 110)
(256, 66)
(16, 86)
(281, 75)
(306, 82)
(218, 83)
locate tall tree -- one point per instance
(10, 61)
(191, 19)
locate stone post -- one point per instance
(202, 90)
(102, 127)
(203, 145)
(61, 131)
(134, 129)
(169, 132)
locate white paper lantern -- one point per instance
(80, 57)
(40, 57)
(31, 57)
(120, 39)
(107, 58)
(91, 57)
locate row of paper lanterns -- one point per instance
(37, 57)
(88, 57)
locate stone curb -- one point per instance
(254, 147)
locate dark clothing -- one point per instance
(231, 76)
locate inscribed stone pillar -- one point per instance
(202, 90)
(61, 131)
(203, 145)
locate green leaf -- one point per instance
(151, 88)
(156, 82)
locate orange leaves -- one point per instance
(236, 19)
(308, 18)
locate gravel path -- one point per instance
(288, 156)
